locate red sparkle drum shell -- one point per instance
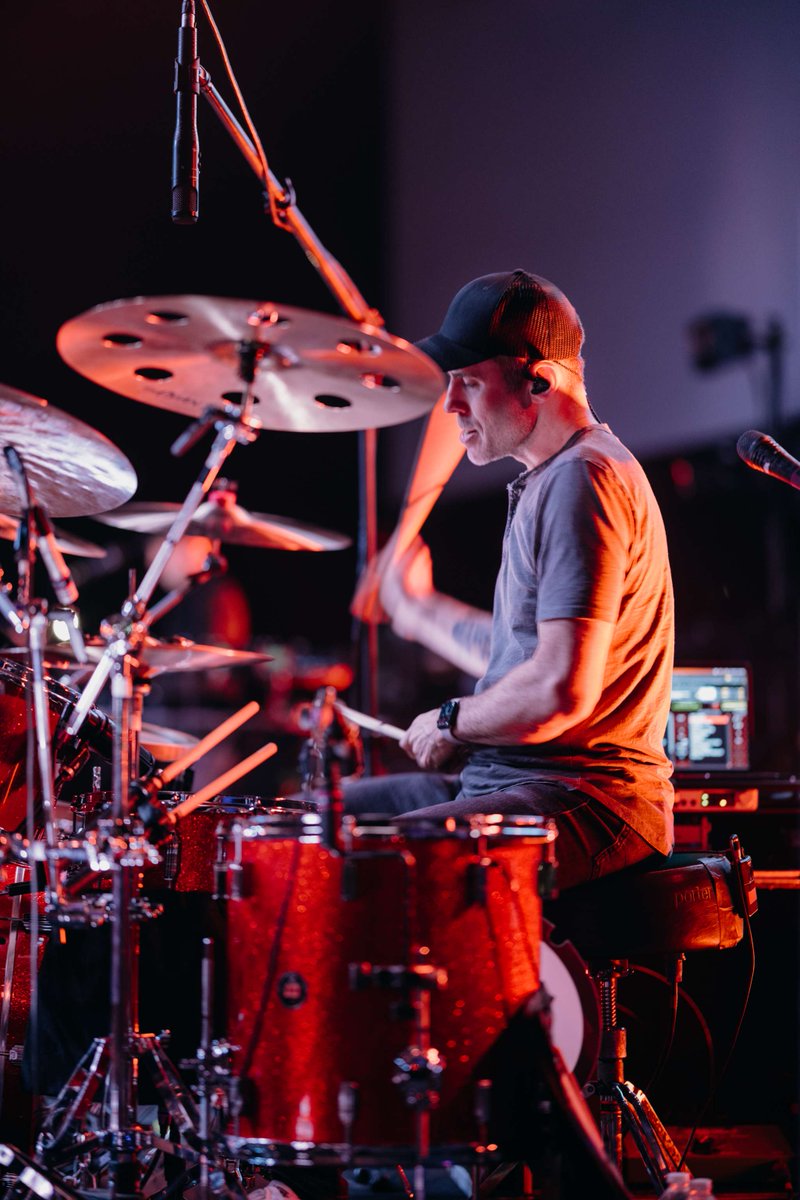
(16, 1105)
(191, 854)
(427, 896)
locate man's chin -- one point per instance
(478, 456)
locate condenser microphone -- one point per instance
(763, 453)
(185, 144)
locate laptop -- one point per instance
(710, 720)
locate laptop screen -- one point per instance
(709, 719)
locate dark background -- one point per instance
(415, 138)
(642, 154)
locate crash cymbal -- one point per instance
(165, 745)
(155, 658)
(67, 543)
(227, 522)
(317, 373)
(73, 469)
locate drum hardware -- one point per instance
(30, 619)
(124, 638)
(331, 743)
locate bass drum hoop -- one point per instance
(576, 1005)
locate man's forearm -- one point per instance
(450, 628)
(542, 698)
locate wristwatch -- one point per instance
(448, 715)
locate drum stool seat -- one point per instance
(662, 907)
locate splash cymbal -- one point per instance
(315, 373)
(227, 523)
(74, 470)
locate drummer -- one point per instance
(575, 660)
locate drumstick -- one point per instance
(211, 739)
(370, 723)
(218, 785)
(438, 454)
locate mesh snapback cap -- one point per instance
(511, 313)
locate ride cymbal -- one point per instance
(314, 373)
(74, 471)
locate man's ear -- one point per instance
(542, 376)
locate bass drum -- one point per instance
(362, 984)
(575, 1012)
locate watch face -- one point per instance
(447, 714)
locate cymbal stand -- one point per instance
(125, 635)
(29, 618)
(233, 425)
(285, 214)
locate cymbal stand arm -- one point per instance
(35, 624)
(41, 724)
(230, 430)
(123, 949)
(291, 219)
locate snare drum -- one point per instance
(197, 842)
(366, 989)
(16, 716)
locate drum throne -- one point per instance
(680, 904)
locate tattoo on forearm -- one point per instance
(473, 635)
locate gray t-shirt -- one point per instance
(585, 538)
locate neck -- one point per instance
(560, 417)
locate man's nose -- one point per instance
(454, 397)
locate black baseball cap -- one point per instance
(510, 312)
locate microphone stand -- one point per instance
(287, 216)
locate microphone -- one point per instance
(63, 583)
(185, 144)
(763, 453)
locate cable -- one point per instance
(667, 1048)
(276, 202)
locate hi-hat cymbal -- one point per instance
(155, 657)
(227, 523)
(67, 543)
(74, 470)
(316, 373)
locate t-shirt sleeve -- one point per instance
(584, 532)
